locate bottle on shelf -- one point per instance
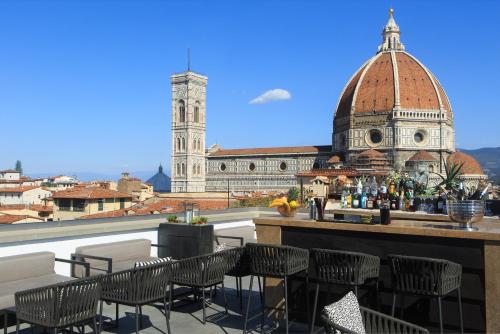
(348, 199)
(439, 204)
(393, 200)
(355, 200)
(362, 201)
(480, 194)
(401, 202)
(370, 202)
(359, 188)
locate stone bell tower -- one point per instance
(188, 131)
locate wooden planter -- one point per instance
(185, 240)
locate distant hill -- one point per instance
(489, 158)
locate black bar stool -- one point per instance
(275, 262)
(426, 277)
(351, 269)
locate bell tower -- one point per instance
(188, 131)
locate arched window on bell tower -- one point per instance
(197, 112)
(178, 144)
(182, 111)
(183, 144)
(178, 169)
(183, 169)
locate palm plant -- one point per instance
(450, 183)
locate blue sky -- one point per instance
(84, 85)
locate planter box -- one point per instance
(184, 240)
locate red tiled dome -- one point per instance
(470, 165)
(373, 88)
(422, 156)
(371, 153)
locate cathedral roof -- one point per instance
(271, 150)
(160, 181)
(422, 156)
(392, 79)
(371, 153)
(470, 165)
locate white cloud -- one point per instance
(272, 95)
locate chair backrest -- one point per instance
(274, 260)
(203, 270)
(119, 251)
(24, 266)
(421, 275)
(375, 323)
(138, 285)
(343, 267)
(59, 305)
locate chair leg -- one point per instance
(237, 286)
(393, 303)
(440, 315)
(314, 308)
(459, 293)
(96, 330)
(224, 295)
(141, 321)
(167, 314)
(260, 290)
(307, 299)
(203, 301)
(136, 319)
(356, 291)
(240, 292)
(248, 304)
(263, 315)
(285, 286)
(17, 326)
(100, 317)
(5, 321)
(117, 311)
(402, 306)
(170, 292)
(377, 294)
(56, 330)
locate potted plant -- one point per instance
(172, 219)
(199, 221)
(287, 205)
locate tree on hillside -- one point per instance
(19, 166)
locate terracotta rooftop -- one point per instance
(9, 171)
(351, 172)
(372, 154)
(470, 165)
(334, 159)
(107, 214)
(373, 86)
(10, 219)
(18, 189)
(422, 156)
(271, 150)
(89, 193)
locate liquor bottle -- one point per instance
(461, 192)
(393, 199)
(379, 200)
(370, 202)
(412, 205)
(342, 199)
(401, 203)
(479, 194)
(383, 192)
(362, 201)
(348, 199)
(392, 187)
(439, 204)
(359, 188)
(355, 200)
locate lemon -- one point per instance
(293, 205)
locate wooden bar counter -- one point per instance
(477, 251)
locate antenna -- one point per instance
(189, 59)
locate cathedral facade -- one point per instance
(392, 114)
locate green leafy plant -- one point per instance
(199, 221)
(293, 194)
(450, 182)
(172, 219)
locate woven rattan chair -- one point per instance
(202, 272)
(275, 262)
(350, 269)
(137, 287)
(426, 277)
(238, 265)
(60, 306)
(375, 323)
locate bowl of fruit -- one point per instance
(287, 205)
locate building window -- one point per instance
(315, 165)
(182, 111)
(183, 144)
(194, 169)
(375, 136)
(419, 137)
(222, 167)
(122, 203)
(199, 145)
(199, 169)
(79, 205)
(178, 169)
(282, 166)
(251, 167)
(183, 169)
(100, 204)
(197, 112)
(178, 144)
(194, 145)
(64, 204)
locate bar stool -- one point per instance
(351, 269)
(426, 277)
(275, 262)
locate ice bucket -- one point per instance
(466, 212)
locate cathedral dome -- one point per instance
(392, 80)
(470, 165)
